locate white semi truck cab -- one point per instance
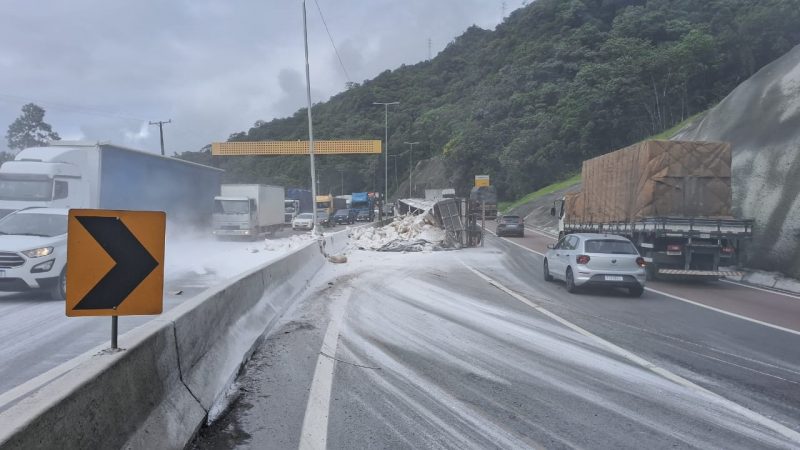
(248, 210)
(45, 176)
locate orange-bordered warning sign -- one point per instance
(115, 262)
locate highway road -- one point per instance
(37, 336)
(472, 349)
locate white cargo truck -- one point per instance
(248, 210)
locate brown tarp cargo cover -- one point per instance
(655, 179)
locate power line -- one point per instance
(346, 75)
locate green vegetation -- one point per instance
(667, 134)
(571, 181)
(559, 81)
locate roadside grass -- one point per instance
(667, 134)
(571, 181)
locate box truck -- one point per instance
(672, 199)
(67, 174)
(248, 210)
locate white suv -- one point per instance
(33, 251)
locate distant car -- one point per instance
(304, 221)
(33, 251)
(324, 219)
(344, 216)
(363, 216)
(510, 225)
(589, 259)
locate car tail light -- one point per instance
(641, 262)
(674, 248)
(582, 259)
(728, 250)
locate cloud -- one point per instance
(103, 69)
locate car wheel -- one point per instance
(59, 291)
(546, 270)
(570, 281)
(636, 291)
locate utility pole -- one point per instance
(315, 231)
(410, 157)
(160, 124)
(429, 48)
(386, 149)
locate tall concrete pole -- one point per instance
(315, 231)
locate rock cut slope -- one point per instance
(761, 119)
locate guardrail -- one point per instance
(175, 369)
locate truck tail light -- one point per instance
(728, 250)
(641, 262)
(673, 248)
(582, 259)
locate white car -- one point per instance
(303, 221)
(590, 259)
(33, 251)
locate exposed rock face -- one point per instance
(761, 119)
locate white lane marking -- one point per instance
(727, 313)
(543, 233)
(686, 300)
(314, 434)
(518, 245)
(741, 410)
(785, 294)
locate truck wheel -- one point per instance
(635, 291)
(546, 270)
(59, 291)
(571, 288)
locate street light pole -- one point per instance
(314, 231)
(410, 157)
(386, 149)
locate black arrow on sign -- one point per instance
(133, 262)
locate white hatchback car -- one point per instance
(33, 251)
(588, 259)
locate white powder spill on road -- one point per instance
(454, 325)
(405, 233)
(224, 259)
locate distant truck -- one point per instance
(68, 174)
(364, 205)
(672, 199)
(248, 210)
(330, 204)
(297, 201)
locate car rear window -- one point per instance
(511, 219)
(611, 246)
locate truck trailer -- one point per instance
(248, 210)
(672, 199)
(362, 202)
(330, 204)
(68, 174)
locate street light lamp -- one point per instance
(410, 157)
(386, 149)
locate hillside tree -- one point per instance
(30, 129)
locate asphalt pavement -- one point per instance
(473, 349)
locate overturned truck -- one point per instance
(672, 199)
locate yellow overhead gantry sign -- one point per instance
(295, 148)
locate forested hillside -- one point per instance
(557, 82)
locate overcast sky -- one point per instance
(103, 69)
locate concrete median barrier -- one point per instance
(173, 372)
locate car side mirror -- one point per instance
(551, 246)
(553, 211)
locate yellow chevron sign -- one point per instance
(294, 148)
